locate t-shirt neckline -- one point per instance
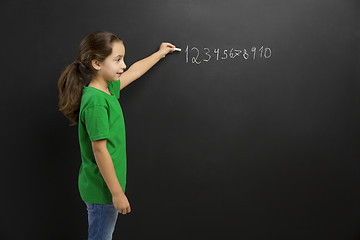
(99, 90)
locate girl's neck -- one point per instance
(99, 84)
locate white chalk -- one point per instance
(177, 49)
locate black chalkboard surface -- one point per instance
(250, 132)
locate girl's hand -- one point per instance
(165, 48)
(121, 203)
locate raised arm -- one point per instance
(141, 67)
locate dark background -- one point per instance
(264, 148)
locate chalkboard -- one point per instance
(250, 132)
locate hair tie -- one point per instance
(84, 75)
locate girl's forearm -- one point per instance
(140, 68)
(106, 167)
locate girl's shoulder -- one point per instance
(91, 97)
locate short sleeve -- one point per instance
(114, 88)
(97, 122)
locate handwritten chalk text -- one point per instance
(218, 54)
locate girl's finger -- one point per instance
(170, 45)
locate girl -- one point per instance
(101, 129)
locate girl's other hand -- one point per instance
(121, 203)
(166, 48)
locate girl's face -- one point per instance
(112, 67)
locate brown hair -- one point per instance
(97, 45)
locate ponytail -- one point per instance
(70, 86)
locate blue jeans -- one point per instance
(102, 219)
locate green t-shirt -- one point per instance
(101, 117)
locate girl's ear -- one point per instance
(95, 64)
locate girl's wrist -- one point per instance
(118, 194)
(159, 54)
